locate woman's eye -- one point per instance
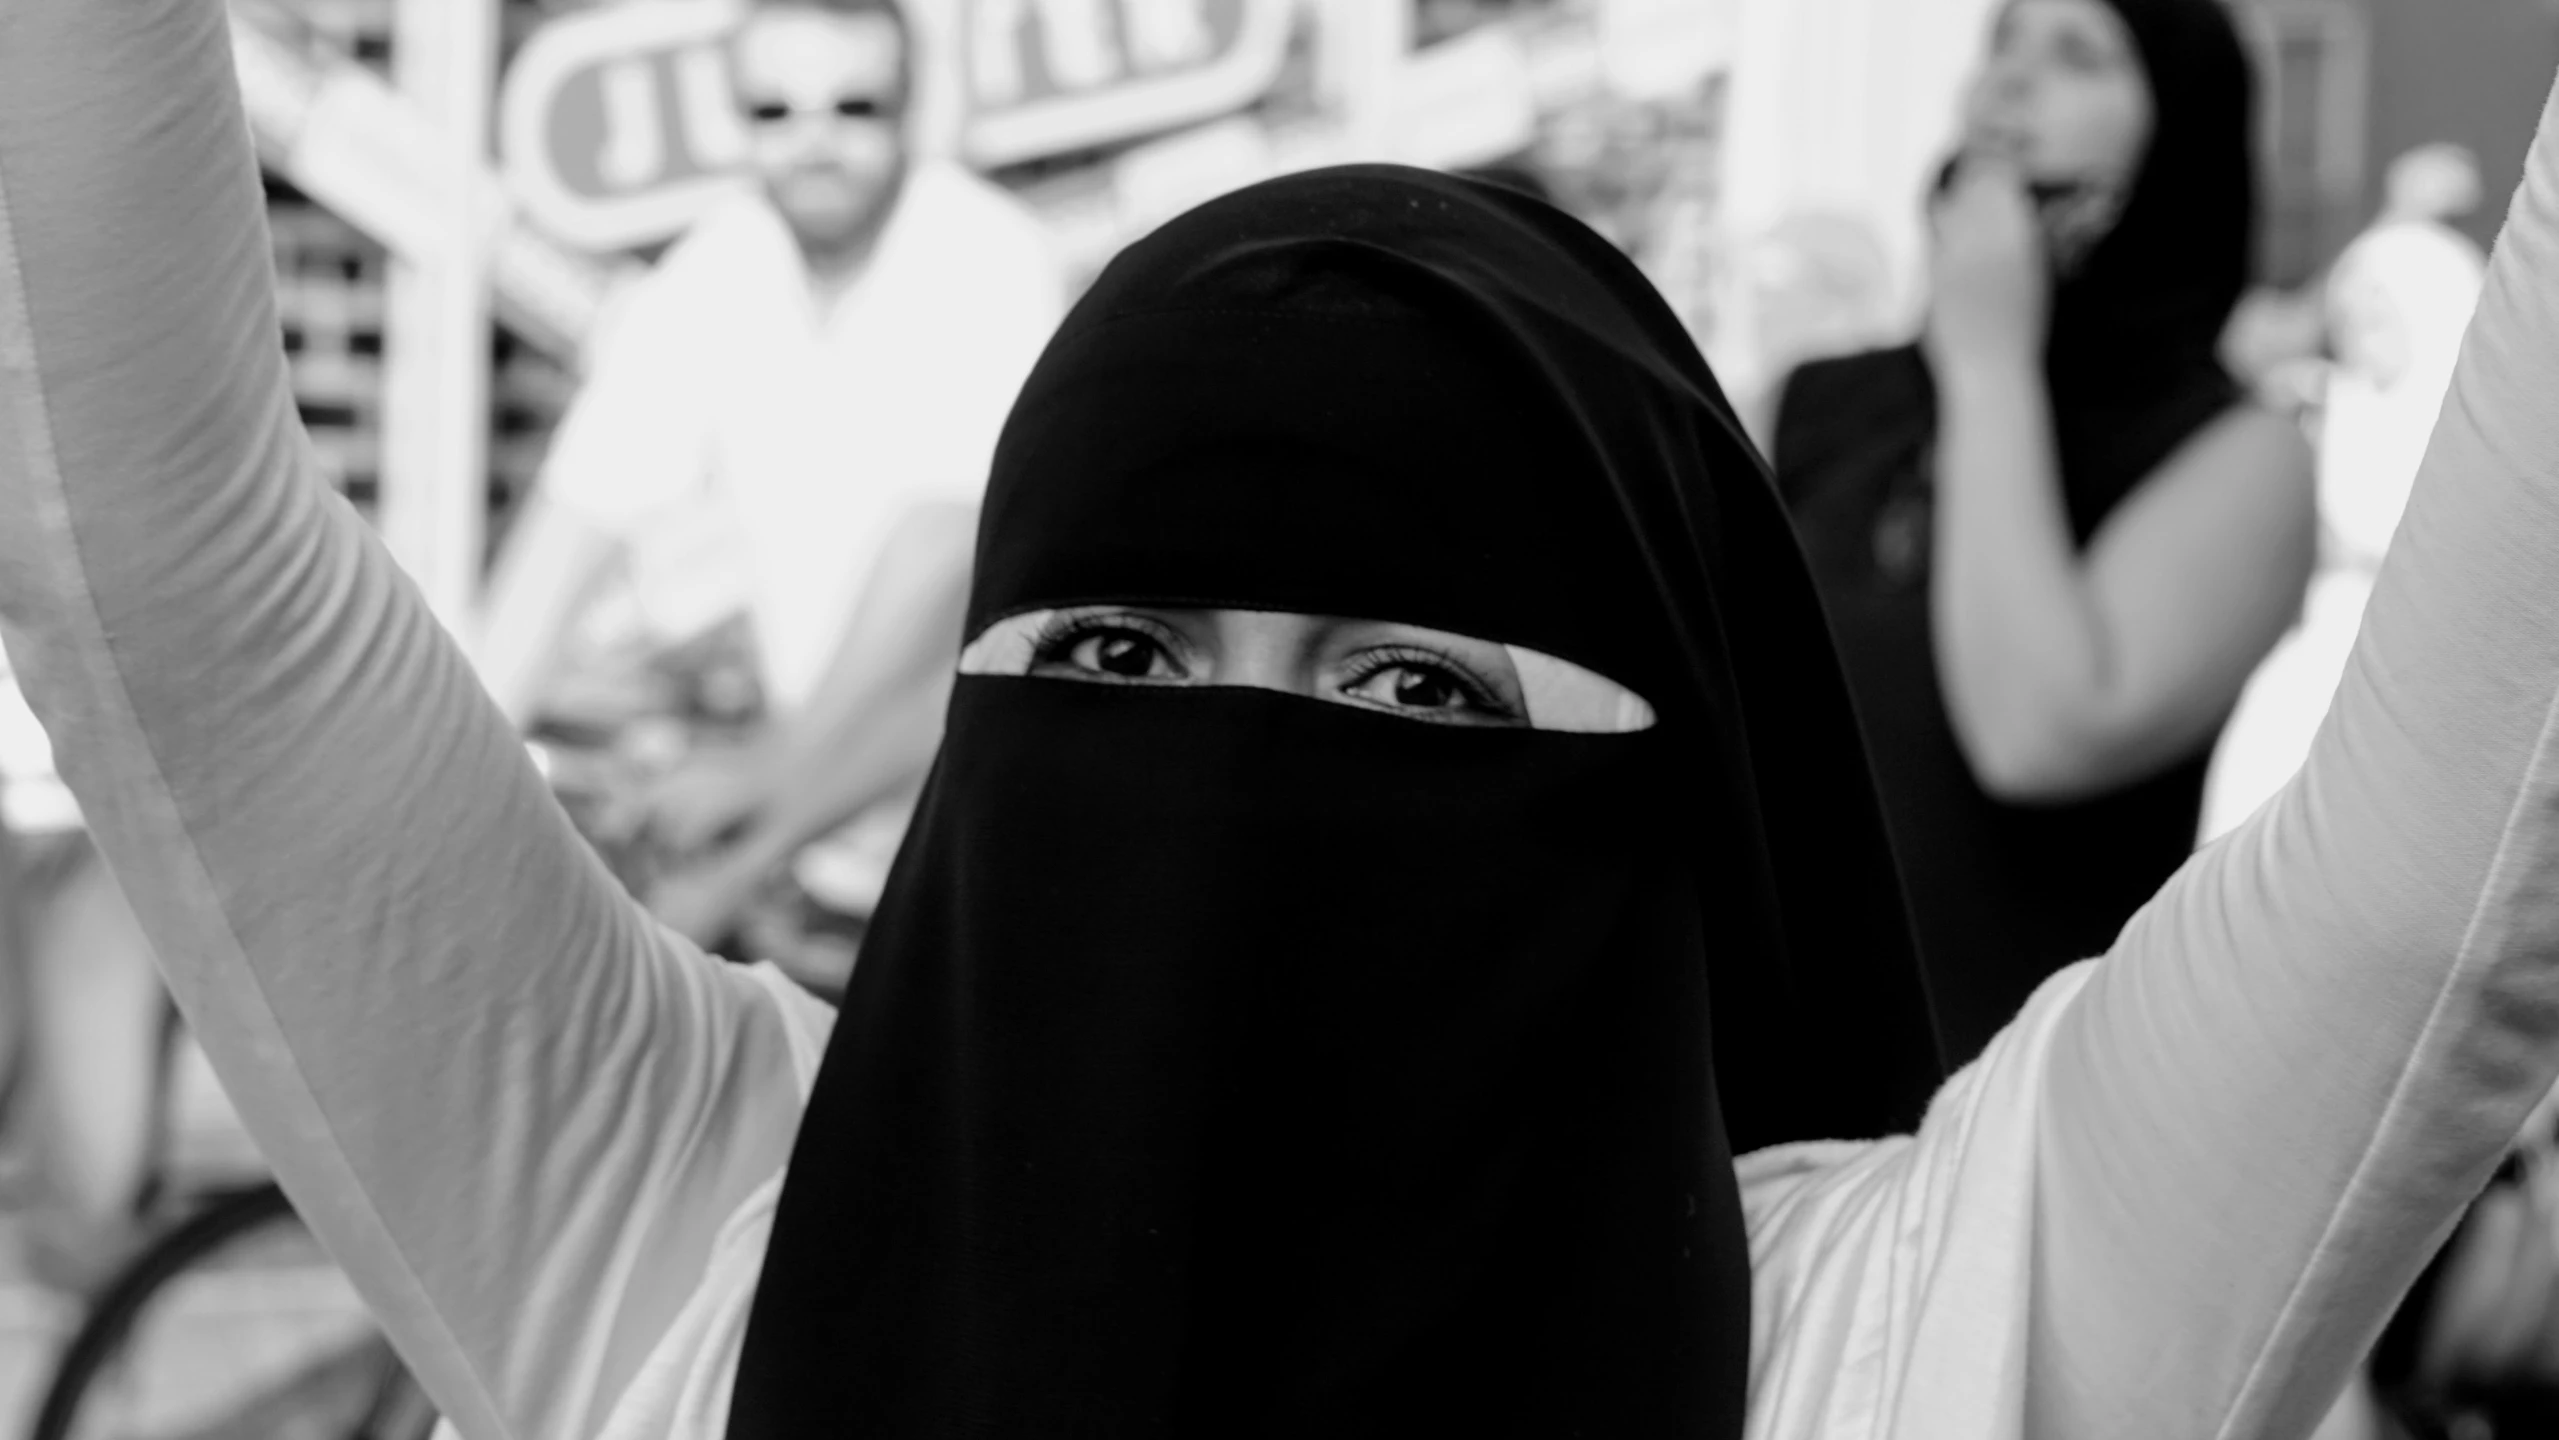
(1422, 686)
(1117, 651)
(1124, 653)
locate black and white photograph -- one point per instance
(1279, 719)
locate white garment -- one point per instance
(727, 408)
(2286, 698)
(541, 1133)
(2401, 298)
(33, 799)
(1958, 1198)
(752, 446)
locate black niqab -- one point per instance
(2005, 895)
(1231, 1063)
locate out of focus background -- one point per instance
(1764, 159)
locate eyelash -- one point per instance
(1060, 632)
(1478, 694)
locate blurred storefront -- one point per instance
(1839, 109)
(2350, 87)
(1109, 114)
(604, 127)
(2474, 72)
(1764, 159)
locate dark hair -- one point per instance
(891, 10)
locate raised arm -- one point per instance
(2273, 1098)
(513, 1108)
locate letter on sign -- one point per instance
(1049, 76)
(634, 152)
(615, 125)
(1077, 42)
(1168, 34)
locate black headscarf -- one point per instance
(2132, 352)
(2133, 355)
(1232, 1063)
(2005, 895)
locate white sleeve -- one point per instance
(2302, 1059)
(514, 1108)
(1889, 1280)
(2182, 1193)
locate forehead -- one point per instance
(796, 53)
(2086, 18)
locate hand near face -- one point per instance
(1992, 290)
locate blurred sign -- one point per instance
(1155, 182)
(1466, 101)
(1655, 49)
(340, 133)
(1045, 76)
(616, 126)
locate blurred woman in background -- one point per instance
(2053, 536)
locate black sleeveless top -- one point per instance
(2001, 895)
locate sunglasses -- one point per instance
(849, 107)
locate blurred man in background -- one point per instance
(793, 416)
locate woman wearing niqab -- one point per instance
(1389, 1090)
(1399, 938)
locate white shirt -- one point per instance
(542, 1134)
(1826, 1293)
(33, 799)
(727, 405)
(2424, 280)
